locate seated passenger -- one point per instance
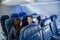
(15, 31)
(24, 20)
(39, 19)
(30, 20)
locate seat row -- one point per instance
(47, 31)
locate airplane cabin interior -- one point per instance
(29, 19)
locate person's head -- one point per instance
(39, 18)
(16, 22)
(29, 19)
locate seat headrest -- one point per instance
(34, 15)
(9, 21)
(14, 15)
(4, 17)
(25, 17)
(46, 21)
(53, 17)
(22, 14)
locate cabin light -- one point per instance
(13, 2)
(30, 0)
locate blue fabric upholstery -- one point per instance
(14, 15)
(9, 24)
(53, 24)
(53, 27)
(53, 17)
(3, 18)
(47, 34)
(24, 20)
(22, 14)
(56, 37)
(30, 32)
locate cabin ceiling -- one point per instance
(18, 2)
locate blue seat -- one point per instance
(53, 27)
(30, 32)
(15, 15)
(3, 18)
(9, 24)
(24, 20)
(22, 14)
(47, 34)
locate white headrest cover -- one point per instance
(47, 21)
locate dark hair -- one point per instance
(39, 18)
(30, 16)
(17, 19)
(17, 25)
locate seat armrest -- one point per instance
(58, 31)
(56, 37)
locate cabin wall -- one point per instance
(7, 10)
(47, 0)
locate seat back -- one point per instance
(47, 35)
(24, 20)
(22, 14)
(9, 24)
(53, 24)
(3, 18)
(30, 32)
(15, 15)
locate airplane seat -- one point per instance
(47, 34)
(34, 15)
(9, 24)
(53, 27)
(3, 18)
(42, 22)
(22, 14)
(30, 32)
(24, 20)
(25, 17)
(15, 15)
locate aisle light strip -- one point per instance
(39, 3)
